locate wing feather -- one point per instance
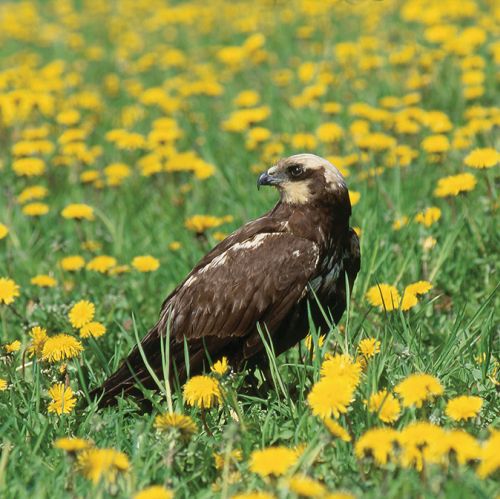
(269, 272)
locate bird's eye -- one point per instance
(295, 170)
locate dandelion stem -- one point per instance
(204, 421)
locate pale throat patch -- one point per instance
(295, 192)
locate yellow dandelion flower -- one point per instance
(436, 144)
(219, 236)
(256, 136)
(72, 263)
(29, 167)
(273, 460)
(419, 287)
(332, 107)
(384, 296)
(68, 117)
(408, 301)
(3, 385)
(89, 176)
(490, 457)
(421, 441)
(4, 230)
(63, 400)
(305, 486)
(329, 132)
(375, 141)
(234, 456)
(331, 396)
(221, 367)
(429, 216)
(336, 430)
(200, 223)
(119, 269)
(455, 184)
(385, 405)
(154, 492)
(175, 246)
(377, 443)
(482, 158)
(35, 209)
(13, 347)
(93, 328)
(97, 464)
(400, 222)
(9, 290)
(91, 245)
(463, 407)
(43, 281)
(341, 367)
(417, 388)
(339, 495)
(247, 98)
(38, 338)
(354, 197)
(202, 391)
(458, 443)
(72, 444)
(303, 141)
(101, 264)
(81, 313)
(369, 347)
(175, 421)
(60, 347)
(116, 172)
(254, 495)
(145, 263)
(31, 193)
(78, 211)
(131, 141)
(412, 291)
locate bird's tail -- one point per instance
(132, 374)
(136, 370)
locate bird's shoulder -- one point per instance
(266, 224)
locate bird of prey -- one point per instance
(268, 274)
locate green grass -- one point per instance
(444, 335)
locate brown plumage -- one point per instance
(264, 273)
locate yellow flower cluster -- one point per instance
(334, 392)
(192, 99)
(81, 317)
(423, 443)
(386, 297)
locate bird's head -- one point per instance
(305, 178)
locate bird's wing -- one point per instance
(258, 279)
(264, 224)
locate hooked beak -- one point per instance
(266, 179)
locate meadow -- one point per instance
(131, 138)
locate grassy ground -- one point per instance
(71, 72)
